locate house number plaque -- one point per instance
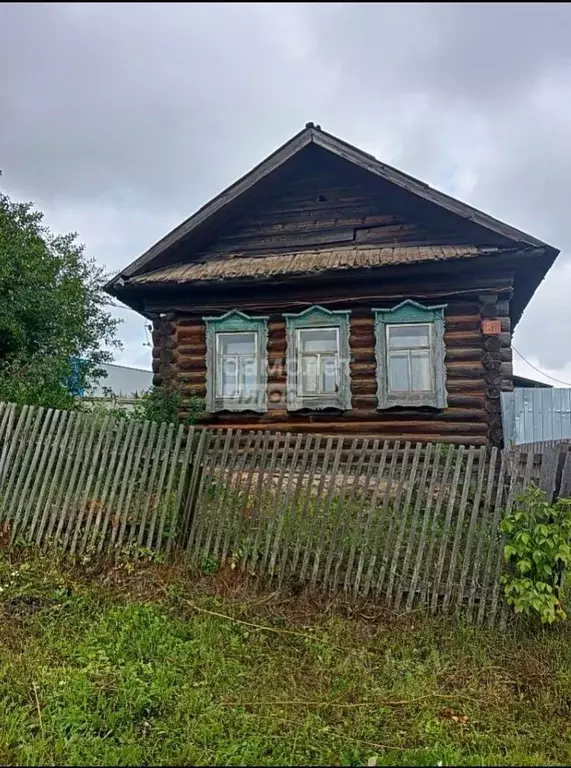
(491, 327)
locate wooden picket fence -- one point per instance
(405, 524)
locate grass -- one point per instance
(148, 665)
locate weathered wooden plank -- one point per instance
(420, 500)
(283, 514)
(115, 482)
(91, 462)
(430, 497)
(192, 516)
(233, 505)
(160, 483)
(55, 479)
(84, 458)
(245, 503)
(494, 547)
(483, 534)
(395, 514)
(273, 517)
(404, 516)
(108, 430)
(294, 517)
(52, 451)
(304, 521)
(40, 455)
(148, 492)
(429, 563)
(131, 476)
(370, 517)
(16, 493)
(349, 524)
(470, 535)
(445, 532)
(339, 517)
(142, 495)
(266, 505)
(358, 532)
(459, 530)
(217, 501)
(62, 486)
(325, 511)
(311, 521)
(185, 464)
(166, 493)
(13, 445)
(381, 515)
(205, 506)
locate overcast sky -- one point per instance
(119, 120)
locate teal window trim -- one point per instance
(411, 312)
(236, 322)
(318, 317)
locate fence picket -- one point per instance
(325, 512)
(424, 529)
(458, 535)
(285, 506)
(35, 472)
(381, 517)
(404, 514)
(294, 516)
(303, 517)
(447, 521)
(340, 516)
(413, 526)
(128, 485)
(55, 479)
(173, 458)
(395, 510)
(370, 516)
(362, 503)
(160, 483)
(17, 491)
(471, 527)
(495, 543)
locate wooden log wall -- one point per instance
(472, 372)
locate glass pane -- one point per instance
(408, 336)
(328, 374)
(309, 375)
(420, 367)
(248, 376)
(398, 372)
(228, 384)
(237, 343)
(319, 340)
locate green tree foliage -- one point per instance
(52, 309)
(537, 552)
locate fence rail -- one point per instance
(406, 524)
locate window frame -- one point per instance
(319, 355)
(317, 318)
(236, 321)
(411, 313)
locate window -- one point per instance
(318, 359)
(410, 356)
(236, 370)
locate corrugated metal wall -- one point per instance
(530, 415)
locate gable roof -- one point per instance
(312, 134)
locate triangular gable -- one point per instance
(314, 135)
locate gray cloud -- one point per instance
(119, 120)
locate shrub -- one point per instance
(537, 551)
